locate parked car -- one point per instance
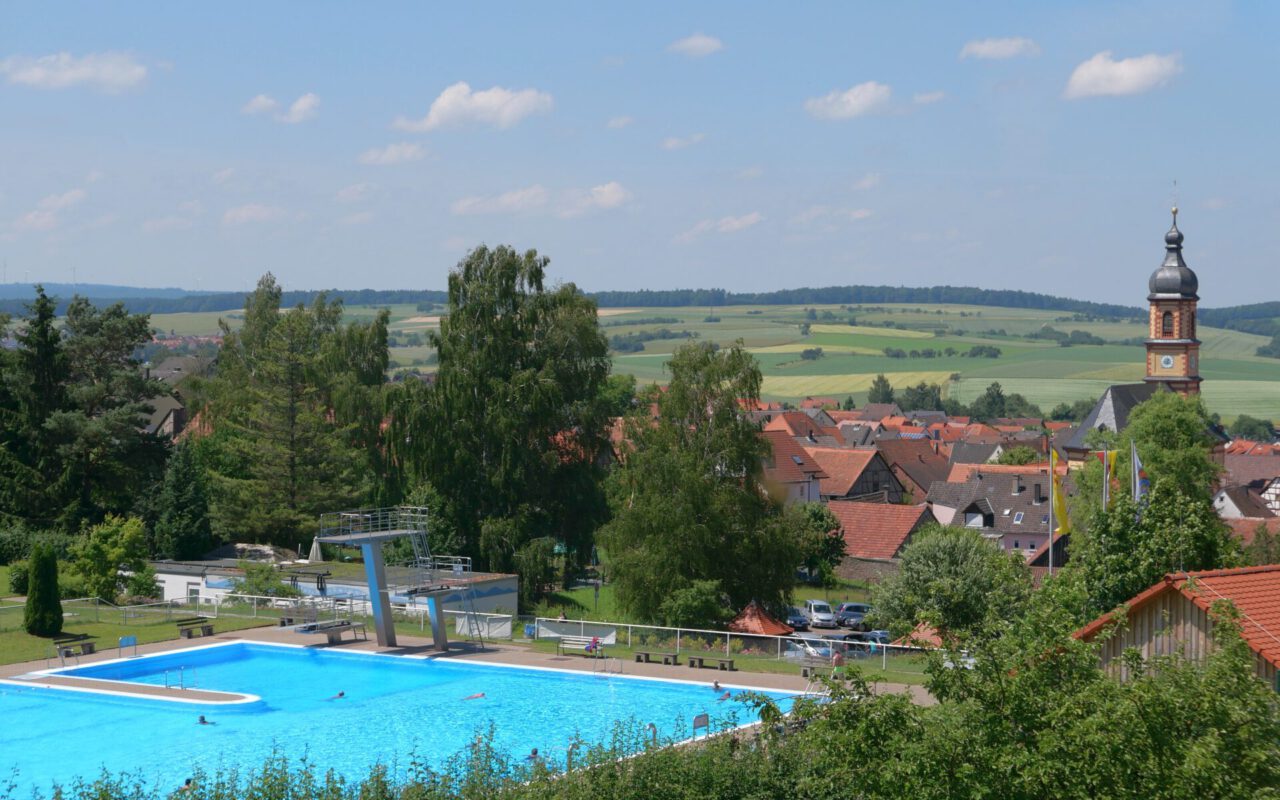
(879, 637)
(819, 614)
(797, 620)
(851, 615)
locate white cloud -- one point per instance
(94, 176)
(854, 102)
(45, 216)
(1103, 75)
(223, 175)
(620, 122)
(1215, 203)
(751, 173)
(514, 201)
(107, 72)
(253, 212)
(301, 110)
(397, 153)
(260, 104)
(1010, 47)
(358, 218)
(605, 196)
(353, 193)
(828, 218)
(926, 98)
(698, 45)
(677, 143)
(722, 225)
(497, 106)
(869, 181)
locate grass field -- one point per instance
(1236, 381)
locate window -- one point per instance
(1044, 520)
(1005, 513)
(1017, 518)
(1031, 545)
(1166, 324)
(799, 461)
(1191, 324)
(1017, 545)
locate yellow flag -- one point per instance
(1059, 497)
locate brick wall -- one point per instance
(865, 570)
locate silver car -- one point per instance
(820, 614)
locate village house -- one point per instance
(856, 475)
(1175, 617)
(1009, 508)
(916, 464)
(874, 535)
(790, 473)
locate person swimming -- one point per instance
(203, 721)
(475, 696)
(338, 696)
(723, 697)
(715, 686)
(533, 755)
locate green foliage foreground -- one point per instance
(1035, 718)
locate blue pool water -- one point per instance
(395, 708)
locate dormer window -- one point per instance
(1017, 518)
(1166, 324)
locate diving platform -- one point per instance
(369, 529)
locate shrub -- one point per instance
(18, 577)
(43, 613)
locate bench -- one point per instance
(67, 645)
(697, 662)
(814, 670)
(189, 628)
(647, 656)
(578, 645)
(333, 630)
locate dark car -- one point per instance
(851, 615)
(796, 619)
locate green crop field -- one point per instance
(1236, 380)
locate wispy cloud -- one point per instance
(47, 213)
(869, 181)
(828, 218)
(698, 45)
(680, 143)
(358, 218)
(995, 49)
(300, 110)
(353, 193)
(173, 222)
(928, 98)
(398, 153)
(223, 175)
(1102, 75)
(603, 197)
(498, 107)
(854, 102)
(252, 213)
(751, 173)
(514, 201)
(721, 225)
(619, 122)
(107, 72)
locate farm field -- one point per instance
(1236, 381)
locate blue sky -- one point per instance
(744, 145)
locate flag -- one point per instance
(1108, 459)
(1059, 502)
(1141, 484)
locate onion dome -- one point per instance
(1174, 279)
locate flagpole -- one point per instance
(1052, 501)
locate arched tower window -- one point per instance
(1191, 324)
(1166, 324)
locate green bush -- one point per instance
(71, 586)
(18, 577)
(43, 613)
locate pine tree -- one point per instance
(42, 615)
(182, 528)
(881, 391)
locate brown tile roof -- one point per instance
(961, 473)
(843, 467)
(798, 423)
(1255, 592)
(820, 402)
(754, 619)
(915, 458)
(1245, 528)
(873, 412)
(877, 530)
(790, 463)
(1247, 469)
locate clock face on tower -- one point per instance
(1166, 362)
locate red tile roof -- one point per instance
(754, 619)
(790, 463)
(877, 530)
(924, 635)
(798, 423)
(843, 467)
(1246, 527)
(1255, 592)
(820, 402)
(961, 473)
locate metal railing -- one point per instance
(374, 520)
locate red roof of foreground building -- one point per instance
(787, 461)
(877, 530)
(843, 467)
(1255, 592)
(924, 635)
(755, 620)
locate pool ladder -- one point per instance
(181, 682)
(606, 666)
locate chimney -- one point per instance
(1017, 485)
(1039, 495)
(810, 436)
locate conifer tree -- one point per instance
(182, 528)
(42, 615)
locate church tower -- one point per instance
(1173, 351)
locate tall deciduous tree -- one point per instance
(687, 504)
(881, 391)
(953, 580)
(510, 435)
(108, 554)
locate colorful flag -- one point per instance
(1059, 500)
(1141, 484)
(1108, 459)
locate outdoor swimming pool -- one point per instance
(395, 708)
